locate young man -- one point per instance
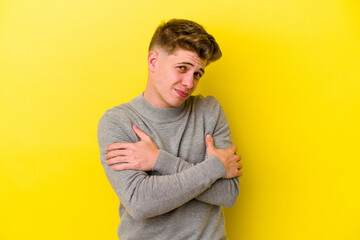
(168, 155)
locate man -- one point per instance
(158, 150)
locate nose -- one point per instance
(188, 81)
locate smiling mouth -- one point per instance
(181, 93)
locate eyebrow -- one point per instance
(189, 63)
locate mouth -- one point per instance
(181, 93)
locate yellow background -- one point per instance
(288, 81)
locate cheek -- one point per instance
(196, 82)
(175, 77)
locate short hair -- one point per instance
(185, 34)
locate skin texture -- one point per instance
(172, 78)
(139, 156)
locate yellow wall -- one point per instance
(288, 81)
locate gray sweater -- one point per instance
(181, 197)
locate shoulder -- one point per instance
(210, 108)
(207, 108)
(115, 125)
(118, 114)
(208, 103)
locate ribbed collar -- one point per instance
(158, 114)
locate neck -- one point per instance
(151, 97)
(158, 114)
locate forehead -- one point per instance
(183, 55)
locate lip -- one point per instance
(181, 93)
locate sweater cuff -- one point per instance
(216, 166)
(165, 163)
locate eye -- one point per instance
(182, 68)
(197, 75)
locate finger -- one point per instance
(116, 153)
(209, 141)
(236, 158)
(115, 160)
(127, 166)
(140, 133)
(233, 149)
(118, 145)
(120, 167)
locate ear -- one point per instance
(153, 57)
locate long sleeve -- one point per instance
(223, 192)
(144, 195)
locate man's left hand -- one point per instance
(139, 156)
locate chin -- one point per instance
(177, 103)
(175, 100)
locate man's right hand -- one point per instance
(227, 156)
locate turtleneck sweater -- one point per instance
(183, 195)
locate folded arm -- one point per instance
(145, 156)
(146, 195)
(223, 192)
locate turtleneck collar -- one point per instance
(158, 114)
